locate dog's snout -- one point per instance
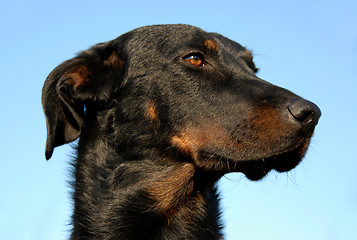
(305, 113)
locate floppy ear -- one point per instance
(89, 78)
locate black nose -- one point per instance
(306, 114)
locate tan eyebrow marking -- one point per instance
(248, 55)
(211, 45)
(151, 111)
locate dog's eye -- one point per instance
(195, 59)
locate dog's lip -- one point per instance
(256, 169)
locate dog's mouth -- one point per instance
(256, 169)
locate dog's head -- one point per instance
(187, 94)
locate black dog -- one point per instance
(162, 113)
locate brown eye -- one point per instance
(195, 59)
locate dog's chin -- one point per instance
(282, 162)
(256, 175)
(258, 168)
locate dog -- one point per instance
(162, 113)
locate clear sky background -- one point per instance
(309, 47)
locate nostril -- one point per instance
(305, 112)
(304, 116)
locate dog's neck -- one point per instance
(140, 198)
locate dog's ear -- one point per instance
(90, 78)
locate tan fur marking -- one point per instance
(183, 143)
(305, 145)
(211, 45)
(78, 77)
(151, 111)
(113, 61)
(266, 129)
(268, 123)
(171, 190)
(191, 140)
(248, 54)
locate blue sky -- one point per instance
(309, 47)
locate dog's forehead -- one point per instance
(167, 38)
(169, 31)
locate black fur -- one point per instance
(163, 112)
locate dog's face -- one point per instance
(195, 93)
